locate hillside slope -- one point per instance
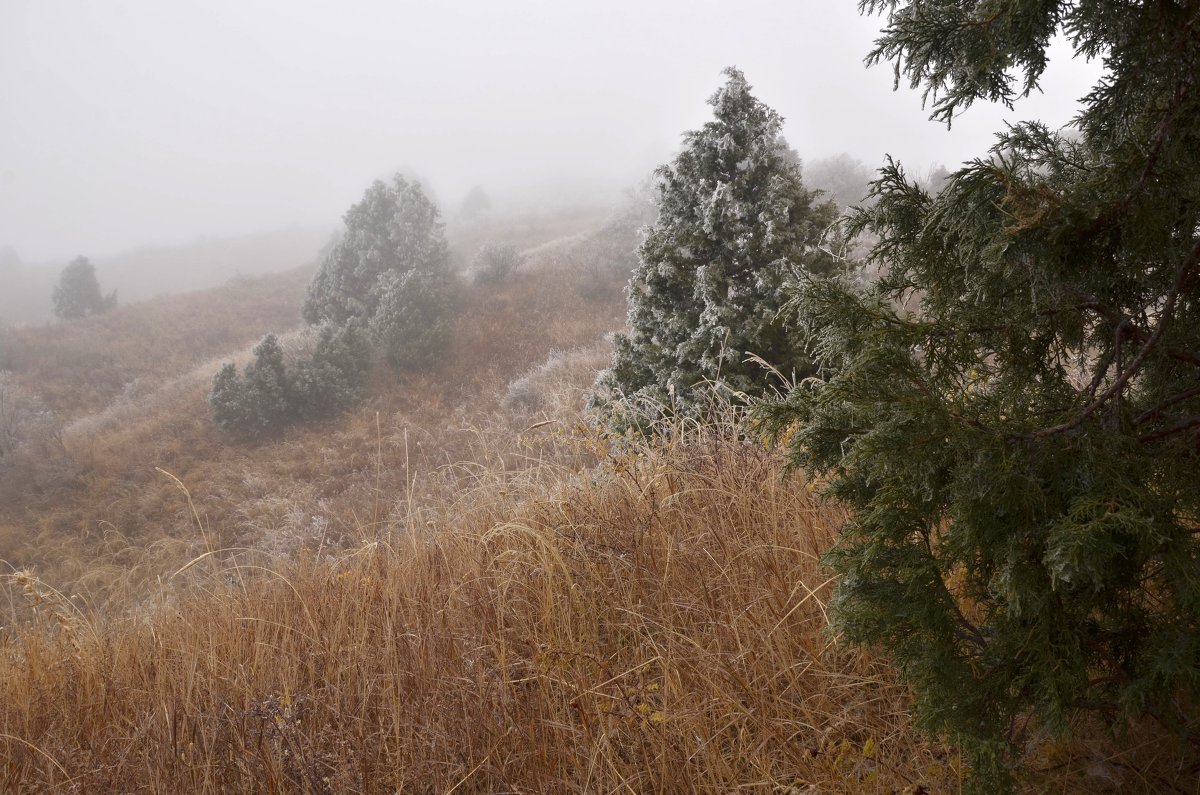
(130, 391)
(458, 586)
(154, 271)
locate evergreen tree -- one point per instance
(333, 379)
(77, 293)
(1014, 408)
(267, 382)
(734, 221)
(476, 206)
(395, 230)
(227, 402)
(259, 402)
(414, 322)
(267, 397)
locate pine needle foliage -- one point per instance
(1014, 408)
(414, 322)
(734, 221)
(268, 396)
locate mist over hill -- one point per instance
(151, 271)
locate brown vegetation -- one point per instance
(457, 587)
(93, 514)
(652, 625)
(81, 366)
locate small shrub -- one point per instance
(32, 455)
(257, 403)
(495, 262)
(526, 392)
(23, 418)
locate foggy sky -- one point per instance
(128, 122)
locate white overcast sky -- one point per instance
(128, 122)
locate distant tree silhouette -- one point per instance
(77, 293)
(475, 206)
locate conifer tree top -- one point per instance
(395, 228)
(734, 99)
(734, 221)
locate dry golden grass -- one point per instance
(651, 625)
(82, 365)
(529, 232)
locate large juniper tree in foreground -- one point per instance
(734, 221)
(1014, 409)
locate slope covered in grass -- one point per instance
(81, 366)
(90, 509)
(459, 586)
(654, 623)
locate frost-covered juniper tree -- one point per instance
(257, 403)
(394, 239)
(734, 221)
(334, 377)
(268, 396)
(413, 325)
(1014, 409)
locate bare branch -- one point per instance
(1174, 429)
(1164, 320)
